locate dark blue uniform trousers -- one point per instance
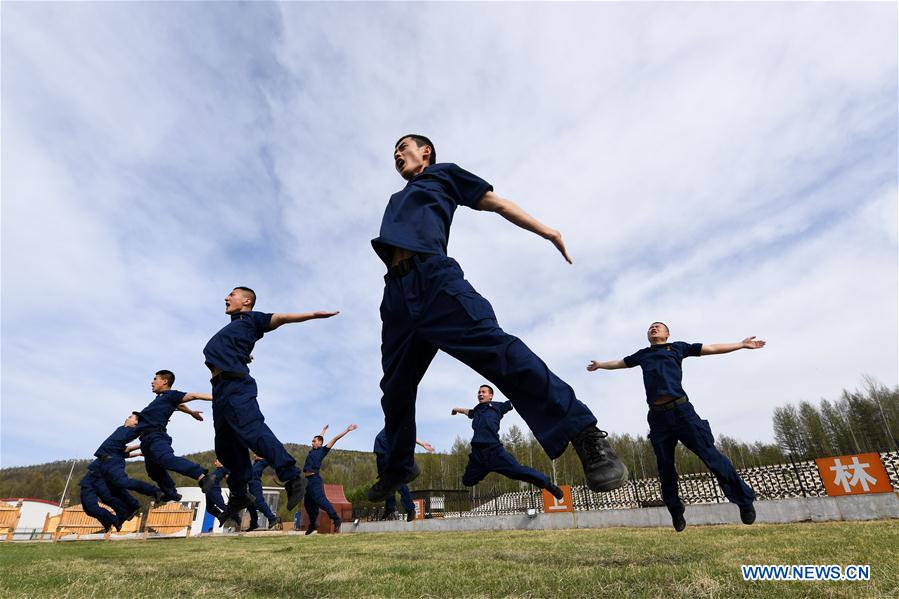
(403, 490)
(433, 307)
(113, 471)
(122, 502)
(681, 423)
(159, 458)
(239, 425)
(315, 498)
(260, 504)
(93, 490)
(485, 459)
(215, 503)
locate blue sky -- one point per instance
(730, 169)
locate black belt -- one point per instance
(227, 376)
(405, 266)
(670, 405)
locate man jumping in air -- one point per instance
(260, 505)
(155, 442)
(107, 481)
(380, 451)
(315, 486)
(672, 417)
(428, 306)
(487, 451)
(238, 421)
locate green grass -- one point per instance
(614, 562)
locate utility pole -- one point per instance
(66, 488)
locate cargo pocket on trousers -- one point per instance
(471, 301)
(245, 411)
(706, 433)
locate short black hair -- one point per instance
(137, 414)
(663, 324)
(319, 437)
(420, 140)
(249, 292)
(167, 375)
(487, 387)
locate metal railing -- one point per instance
(781, 481)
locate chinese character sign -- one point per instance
(854, 474)
(419, 509)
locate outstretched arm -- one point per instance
(726, 348)
(459, 411)
(516, 215)
(192, 396)
(197, 415)
(331, 443)
(427, 446)
(279, 319)
(324, 430)
(610, 365)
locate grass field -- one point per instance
(614, 562)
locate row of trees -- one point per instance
(859, 421)
(356, 470)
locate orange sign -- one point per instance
(854, 474)
(419, 509)
(551, 505)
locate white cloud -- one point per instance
(729, 168)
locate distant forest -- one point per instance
(858, 421)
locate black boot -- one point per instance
(296, 489)
(678, 521)
(389, 482)
(312, 528)
(235, 506)
(206, 482)
(747, 514)
(555, 491)
(602, 468)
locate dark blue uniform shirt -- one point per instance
(661, 366)
(485, 419)
(115, 444)
(155, 417)
(313, 461)
(258, 467)
(419, 216)
(381, 442)
(229, 350)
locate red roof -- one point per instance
(15, 499)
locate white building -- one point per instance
(205, 522)
(33, 515)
